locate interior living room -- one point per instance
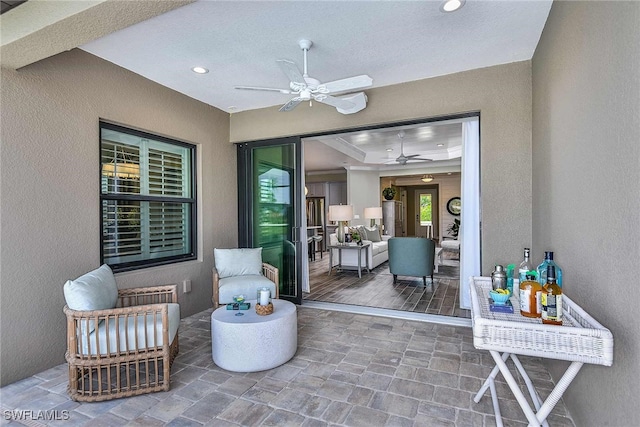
(354, 168)
(555, 86)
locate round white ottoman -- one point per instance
(251, 343)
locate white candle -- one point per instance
(264, 297)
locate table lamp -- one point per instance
(373, 213)
(340, 213)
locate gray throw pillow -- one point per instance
(373, 233)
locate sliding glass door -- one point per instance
(269, 206)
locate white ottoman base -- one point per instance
(251, 343)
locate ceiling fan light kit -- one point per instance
(309, 89)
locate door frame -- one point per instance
(434, 190)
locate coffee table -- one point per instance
(251, 343)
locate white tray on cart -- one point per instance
(580, 338)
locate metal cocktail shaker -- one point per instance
(499, 278)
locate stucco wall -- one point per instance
(502, 94)
(586, 186)
(50, 212)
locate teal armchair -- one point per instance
(411, 256)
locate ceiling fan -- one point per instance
(307, 88)
(402, 159)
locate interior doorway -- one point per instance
(426, 212)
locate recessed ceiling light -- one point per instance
(389, 149)
(451, 5)
(440, 145)
(200, 70)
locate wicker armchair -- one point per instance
(241, 271)
(123, 351)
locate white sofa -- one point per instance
(378, 253)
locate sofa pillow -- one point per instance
(238, 262)
(373, 233)
(96, 290)
(362, 232)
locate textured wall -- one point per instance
(50, 212)
(503, 96)
(586, 182)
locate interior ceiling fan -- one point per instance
(307, 88)
(402, 158)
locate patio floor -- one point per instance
(350, 370)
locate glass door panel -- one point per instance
(270, 219)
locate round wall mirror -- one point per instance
(454, 205)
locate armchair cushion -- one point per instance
(238, 262)
(134, 333)
(96, 290)
(246, 285)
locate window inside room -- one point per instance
(147, 198)
(425, 209)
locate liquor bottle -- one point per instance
(530, 292)
(542, 270)
(524, 266)
(551, 299)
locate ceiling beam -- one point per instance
(39, 29)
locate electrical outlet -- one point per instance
(186, 286)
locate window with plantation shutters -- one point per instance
(148, 199)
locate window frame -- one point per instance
(192, 201)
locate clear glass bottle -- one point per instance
(551, 299)
(524, 266)
(530, 292)
(542, 269)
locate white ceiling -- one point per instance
(440, 142)
(393, 42)
(240, 41)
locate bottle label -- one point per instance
(524, 301)
(551, 307)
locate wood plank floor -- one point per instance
(376, 289)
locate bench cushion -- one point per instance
(148, 335)
(243, 285)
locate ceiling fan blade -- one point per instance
(417, 159)
(291, 70)
(291, 104)
(268, 89)
(348, 84)
(335, 102)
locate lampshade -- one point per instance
(373, 213)
(340, 212)
(426, 178)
